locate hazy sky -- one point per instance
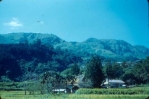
(77, 20)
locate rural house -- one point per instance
(114, 83)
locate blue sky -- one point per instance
(77, 20)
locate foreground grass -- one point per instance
(115, 91)
(20, 95)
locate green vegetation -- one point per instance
(33, 59)
(129, 91)
(131, 72)
(94, 72)
(24, 61)
(39, 67)
(74, 70)
(141, 71)
(20, 95)
(117, 50)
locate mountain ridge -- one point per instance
(109, 48)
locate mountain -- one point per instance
(29, 37)
(109, 48)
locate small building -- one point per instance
(59, 90)
(114, 83)
(68, 89)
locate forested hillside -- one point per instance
(22, 53)
(17, 59)
(116, 50)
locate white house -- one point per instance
(114, 83)
(59, 90)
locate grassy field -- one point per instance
(115, 91)
(20, 95)
(141, 92)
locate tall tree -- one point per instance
(117, 70)
(109, 71)
(94, 71)
(141, 71)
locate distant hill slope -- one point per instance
(108, 48)
(30, 37)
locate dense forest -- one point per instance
(109, 49)
(131, 72)
(17, 60)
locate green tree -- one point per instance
(117, 70)
(128, 75)
(75, 70)
(94, 71)
(109, 71)
(141, 71)
(113, 71)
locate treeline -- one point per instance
(95, 72)
(131, 72)
(18, 59)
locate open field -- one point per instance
(141, 92)
(20, 95)
(115, 91)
